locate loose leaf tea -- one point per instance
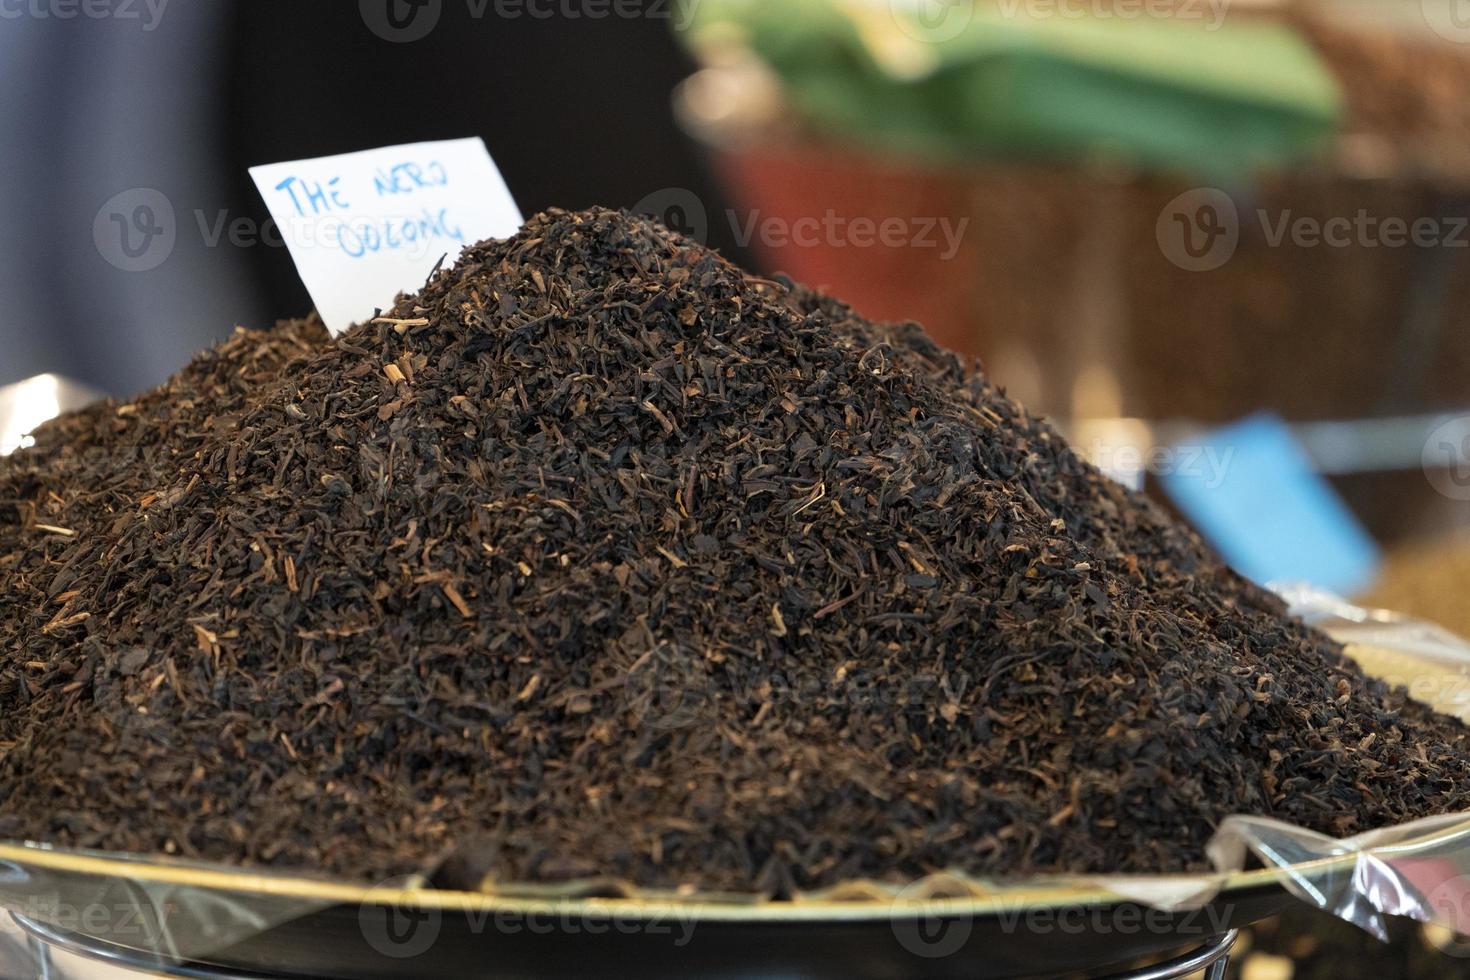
(600, 557)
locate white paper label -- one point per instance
(364, 226)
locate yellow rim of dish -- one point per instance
(708, 906)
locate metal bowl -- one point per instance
(188, 920)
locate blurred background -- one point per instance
(1221, 243)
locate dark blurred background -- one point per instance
(576, 111)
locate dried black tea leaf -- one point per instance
(600, 558)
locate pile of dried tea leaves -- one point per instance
(601, 557)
